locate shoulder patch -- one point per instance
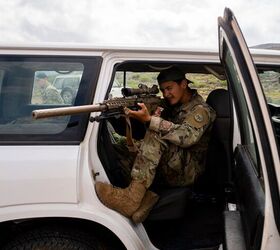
(165, 125)
(198, 117)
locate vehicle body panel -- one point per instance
(47, 175)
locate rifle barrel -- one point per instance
(45, 113)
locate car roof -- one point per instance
(260, 56)
(91, 47)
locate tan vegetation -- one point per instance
(205, 83)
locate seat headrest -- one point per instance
(218, 99)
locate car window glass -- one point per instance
(270, 80)
(131, 80)
(58, 83)
(55, 87)
(205, 83)
(22, 86)
(30, 83)
(244, 118)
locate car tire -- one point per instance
(54, 239)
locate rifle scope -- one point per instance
(141, 90)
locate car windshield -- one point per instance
(58, 83)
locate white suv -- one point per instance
(49, 166)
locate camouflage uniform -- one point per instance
(50, 95)
(176, 146)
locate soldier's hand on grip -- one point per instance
(141, 115)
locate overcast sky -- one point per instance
(151, 23)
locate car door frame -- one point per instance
(231, 36)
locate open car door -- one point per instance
(255, 223)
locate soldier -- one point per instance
(174, 145)
(49, 94)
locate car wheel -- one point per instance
(67, 96)
(54, 239)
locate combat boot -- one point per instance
(148, 202)
(125, 201)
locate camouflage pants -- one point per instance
(171, 164)
(148, 158)
(141, 165)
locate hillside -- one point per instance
(273, 46)
(205, 83)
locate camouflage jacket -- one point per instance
(186, 131)
(51, 95)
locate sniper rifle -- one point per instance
(110, 108)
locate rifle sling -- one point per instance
(130, 144)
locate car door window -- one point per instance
(204, 82)
(29, 83)
(245, 123)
